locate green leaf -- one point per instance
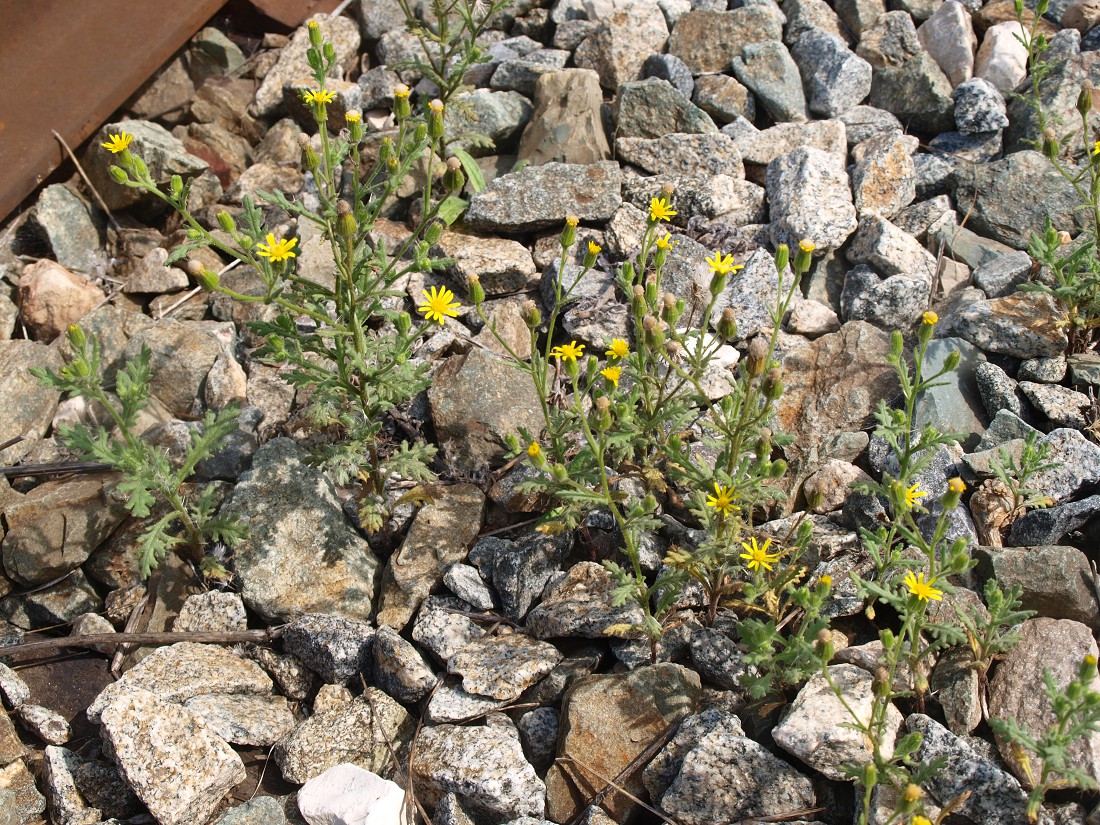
(139, 500)
(451, 209)
(473, 171)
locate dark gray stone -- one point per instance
(864, 122)
(1001, 276)
(998, 391)
(671, 68)
(520, 570)
(1058, 93)
(768, 69)
(978, 147)
(979, 107)
(1056, 580)
(1052, 524)
(334, 648)
(654, 108)
(1061, 406)
(835, 80)
(520, 75)
(541, 196)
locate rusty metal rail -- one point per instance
(68, 65)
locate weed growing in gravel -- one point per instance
(1076, 709)
(152, 478)
(1074, 282)
(346, 344)
(628, 427)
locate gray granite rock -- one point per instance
(672, 69)
(1058, 94)
(1052, 524)
(69, 227)
(450, 703)
(342, 32)
(520, 570)
(719, 659)
(47, 725)
(579, 605)
(175, 765)
(502, 667)
(1001, 275)
(483, 766)
(956, 686)
(538, 731)
(884, 179)
(915, 90)
(262, 810)
(979, 107)
(244, 719)
(504, 266)
(770, 72)
(662, 770)
(709, 41)
(807, 15)
(995, 796)
(500, 116)
(752, 295)
(66, 804)
(335, 648)
(948, 35)
(566, 125)
(1016, 688)
(439, 537)
(541, 196)
(1022, 325)
(809, 198)
(1043, 370)
(723, 98)
(622, 41)
(301, 556)
(760, 147)
(14, 690)
(399, 669)
(466, 583)
(863, 122)
(957, 403)
(181, 671)
(653, 108)
(835, 79)
(442, 628)
(1056, 580)
(360, 732)
(811, 731)
(711, 153)
(1060, 405)
(521, 74)
(726, 778)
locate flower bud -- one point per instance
(226, 222)
(717, 284)
(651, 291)
(951, 362)
(667, 189)
(435, 118)
(782, 256)
(673, 350)
(206, 278)
(590, 255)
(531, 315)
(803, 257)
(453, 179)
(403, 323)
(76, 337)
(559, 473)
(311, 162)
(654, 335)
(175, 186)
(476, 290)
(569, 231)
(637, 301)
(870, 775)
(329, 51)
(354, 119)
(194, 234)
(1087, 671)
(314, 30)
(434, 232)
(773, 384)
(668, 308)
(1064, 237)
(777, 468)
(727, 325)
(756, 356)
(346, 224)
(1084, 99)
(420, 133)
(1051, 146)
(603, 412)
(401, 107)
(118, 174)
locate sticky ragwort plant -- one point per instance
(344, 342)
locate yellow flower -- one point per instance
(117, 143)
(436, 105)
(921, 820)
(913, 495)
(1096, 148)
(353, 116)
(666, 242)
(618, 349)
(612, 374)
(401, 90)
(534, 450)
(660, 210)
(956, 485)
(920, 588)
(438, 304)
(929, 318)
(722, 500)
(826, 579)
(276, 251)
(594, 248)
(318, 97)
(720, 265)
(572, 220)
(757, 556)
(806, 245)
(568, 352)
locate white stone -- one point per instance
(948, 35)
(812, 319)
(1002, 59)
(814, 731)
(349, 795)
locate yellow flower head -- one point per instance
(313, 24)
(612, 374)
(594, 248)
(806, 245)
(920, 820)
(722, 265)
(666, 242)
(353, 116)
(568, 352)
(618, 349)
(117, 143)
(319, 97)
(401, 90)
(572, 220)
(956, 485)
(826, 579)
(438, 304)
(660, 210)
(436, 105)
(722, 500)
(913, 495)
(276, 251)
(929, 318)
(920, 588)
(1096, 148)
(758, 557)
(534, 450)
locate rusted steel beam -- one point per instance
(67, 65)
